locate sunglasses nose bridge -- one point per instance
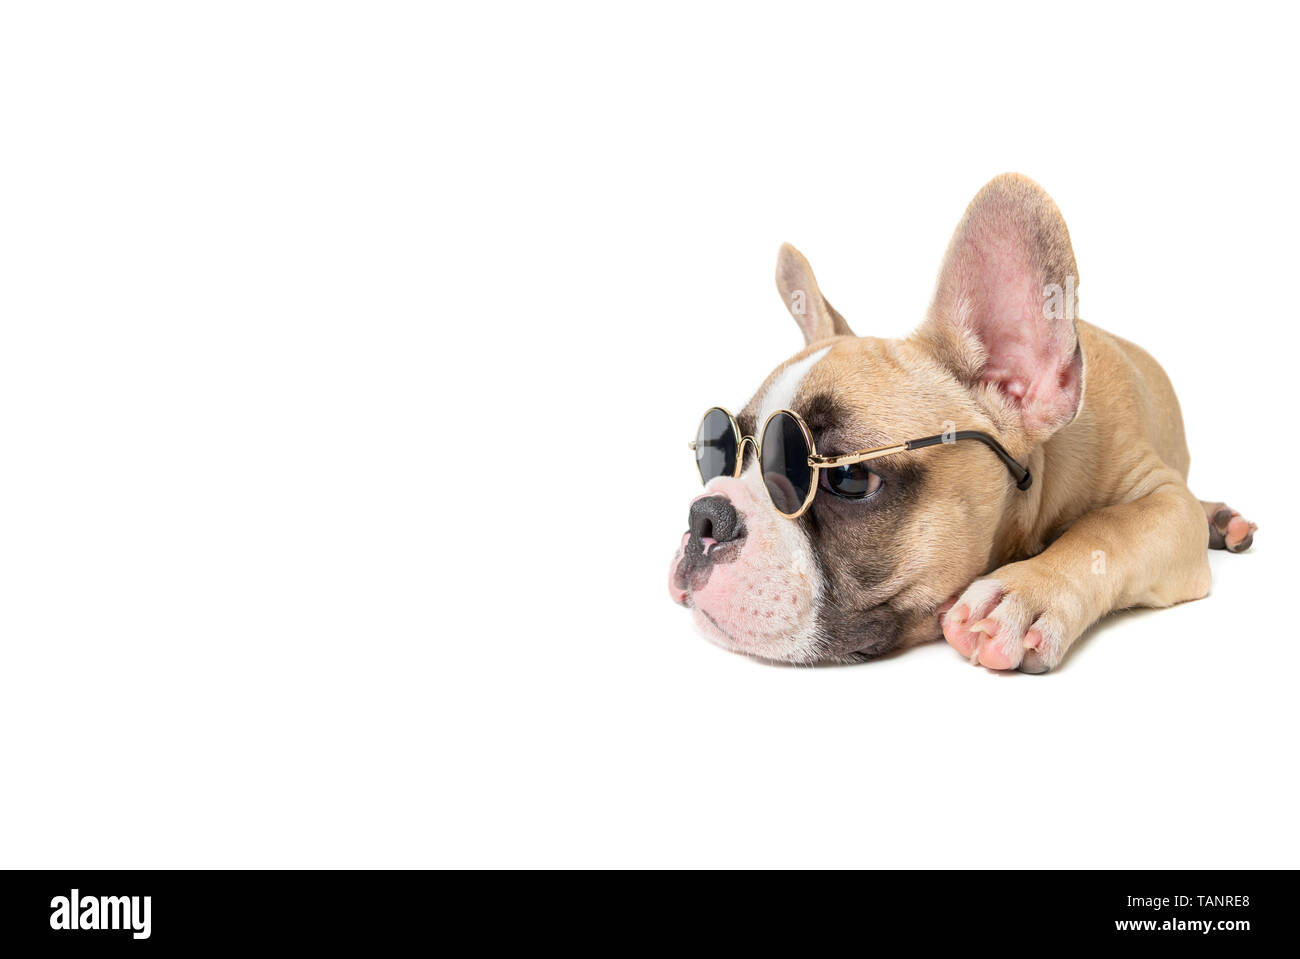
(740, 452)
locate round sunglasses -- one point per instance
(789, 462)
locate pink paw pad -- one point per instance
(993, 652)
(956, 631)
(992, 628)
(1229, 529)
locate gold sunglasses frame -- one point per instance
(816, 462)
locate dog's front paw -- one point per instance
(1014, 619)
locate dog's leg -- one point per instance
(1228, 529)
(1149, 552)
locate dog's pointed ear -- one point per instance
(1004, 306)
(803, 298)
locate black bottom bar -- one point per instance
(1179, 910)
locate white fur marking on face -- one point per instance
(775, 536)
(781, 393)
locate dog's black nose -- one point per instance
(714, 517)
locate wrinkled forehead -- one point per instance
(853, 391)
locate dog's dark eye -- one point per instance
(850, 482)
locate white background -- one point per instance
(349, 354)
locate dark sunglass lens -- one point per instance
(715, 446)
(786, 472)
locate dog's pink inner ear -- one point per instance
(1004, 305)
(1031, 358)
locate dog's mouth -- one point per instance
(697, 558)
(743, 599)
(746, 600)
(728, 640)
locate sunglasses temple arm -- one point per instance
(1022, 477)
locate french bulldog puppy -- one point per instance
(942, 540)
